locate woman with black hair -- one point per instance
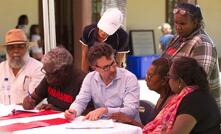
(193, 110)
(191, 40)
(157, 80)
(23, 23)
(22, 20)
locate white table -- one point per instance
(61, 129)
(119, 128)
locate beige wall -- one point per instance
(149, 14)
(146, 14)
(212, 19)
(10, 11)
(141, 14)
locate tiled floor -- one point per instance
(146, 94)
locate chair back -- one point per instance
(146, 111)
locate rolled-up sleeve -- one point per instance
(83, 97)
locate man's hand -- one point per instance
(29, 103)
(96, 114)
(70, 114)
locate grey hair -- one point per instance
(59, 57)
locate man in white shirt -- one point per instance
(22, 71)
(111, 88)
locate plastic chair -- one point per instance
(146, 111)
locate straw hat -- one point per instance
(16, 36)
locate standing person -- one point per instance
(166, 36)
(193, 110)
(191, 40)
(61, 84)
(107, 30)
(158, 81)
(23, 23)
(36, 50)
(22, 71)
(111, 88)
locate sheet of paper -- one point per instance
(23, 110)
(6, 110)
(86, 124)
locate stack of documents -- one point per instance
(86, 124)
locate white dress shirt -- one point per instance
(28, 77)
(121, 95)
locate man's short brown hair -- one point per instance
(98, 50)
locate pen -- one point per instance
(13, 111)
(29, 94)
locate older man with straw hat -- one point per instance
(20, 70)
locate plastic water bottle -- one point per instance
(6, 92)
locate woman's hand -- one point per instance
(121, 117)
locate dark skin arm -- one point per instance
(49, 107)
(120, 59)
(123, 118)
(31, 101)
(84, 62)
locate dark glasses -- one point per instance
(181, 11)
(107, 67)
(18, 46)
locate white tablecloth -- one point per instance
(61, 129)
(119, 128)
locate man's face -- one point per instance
(55, 77)
(16, 54)
(184, 25)
(106, 68)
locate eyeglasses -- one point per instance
(181, 11)
(49, 74)
(107, 67)
(150, 76)
(18, 46)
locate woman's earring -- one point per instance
(179, 86)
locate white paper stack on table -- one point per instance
(79, 123)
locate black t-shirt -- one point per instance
(118, 41)
(202, 106)
(61, 97)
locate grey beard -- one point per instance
(16, 62)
